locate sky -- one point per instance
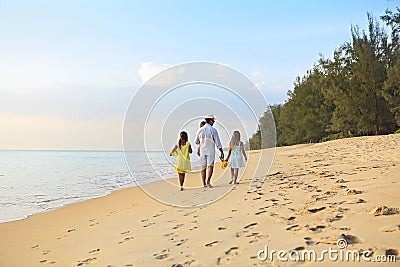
(68, 69)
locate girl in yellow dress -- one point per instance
(182, 150)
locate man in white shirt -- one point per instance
(207, 138)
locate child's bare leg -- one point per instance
(232, 175)
(181, 179)
(236, 173)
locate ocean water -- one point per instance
(36, 181)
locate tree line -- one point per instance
(357, 92)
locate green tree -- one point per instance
(355, 92)
(306, 115)
(391, 87)
(355, 79)
(265, 135)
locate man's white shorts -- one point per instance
(207, 160)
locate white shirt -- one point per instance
(207, 137)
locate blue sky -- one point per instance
(69, 68)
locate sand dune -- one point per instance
(314, 195)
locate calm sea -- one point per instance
(37, 181)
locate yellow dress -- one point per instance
(182, 163)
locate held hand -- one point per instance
(222, 155)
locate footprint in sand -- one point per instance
(299, 248)
(149, 224)
(161, 255)
(330, 193)
(211, 244)
(339, 187)
(356, 201)
(189, 213)
(336, 218)
(351, 239)
(125, 239)
(391, 228)
(392, 251)
(94, 251)
(314, 210)
(169, 234)
(317, 228)
(383, 210)
(255, 237)
(186, 263)
(260, 212)
(231, 250)
(294, 227)
(250, 225)
(309, 241)
(353, 192)
(177, 226)
(181, 242)
(66, 235)
(332, 240)
(92, 222)
(86, 261)
(111, 213)
(229, 255)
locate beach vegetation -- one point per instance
(354, 93)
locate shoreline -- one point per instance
(169, 179)
(313, 195)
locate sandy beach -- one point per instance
(313, 195)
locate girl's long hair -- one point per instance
(235, 140)
(183, 138)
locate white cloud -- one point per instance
(260, 85)
(255, 73)
(149, 69)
